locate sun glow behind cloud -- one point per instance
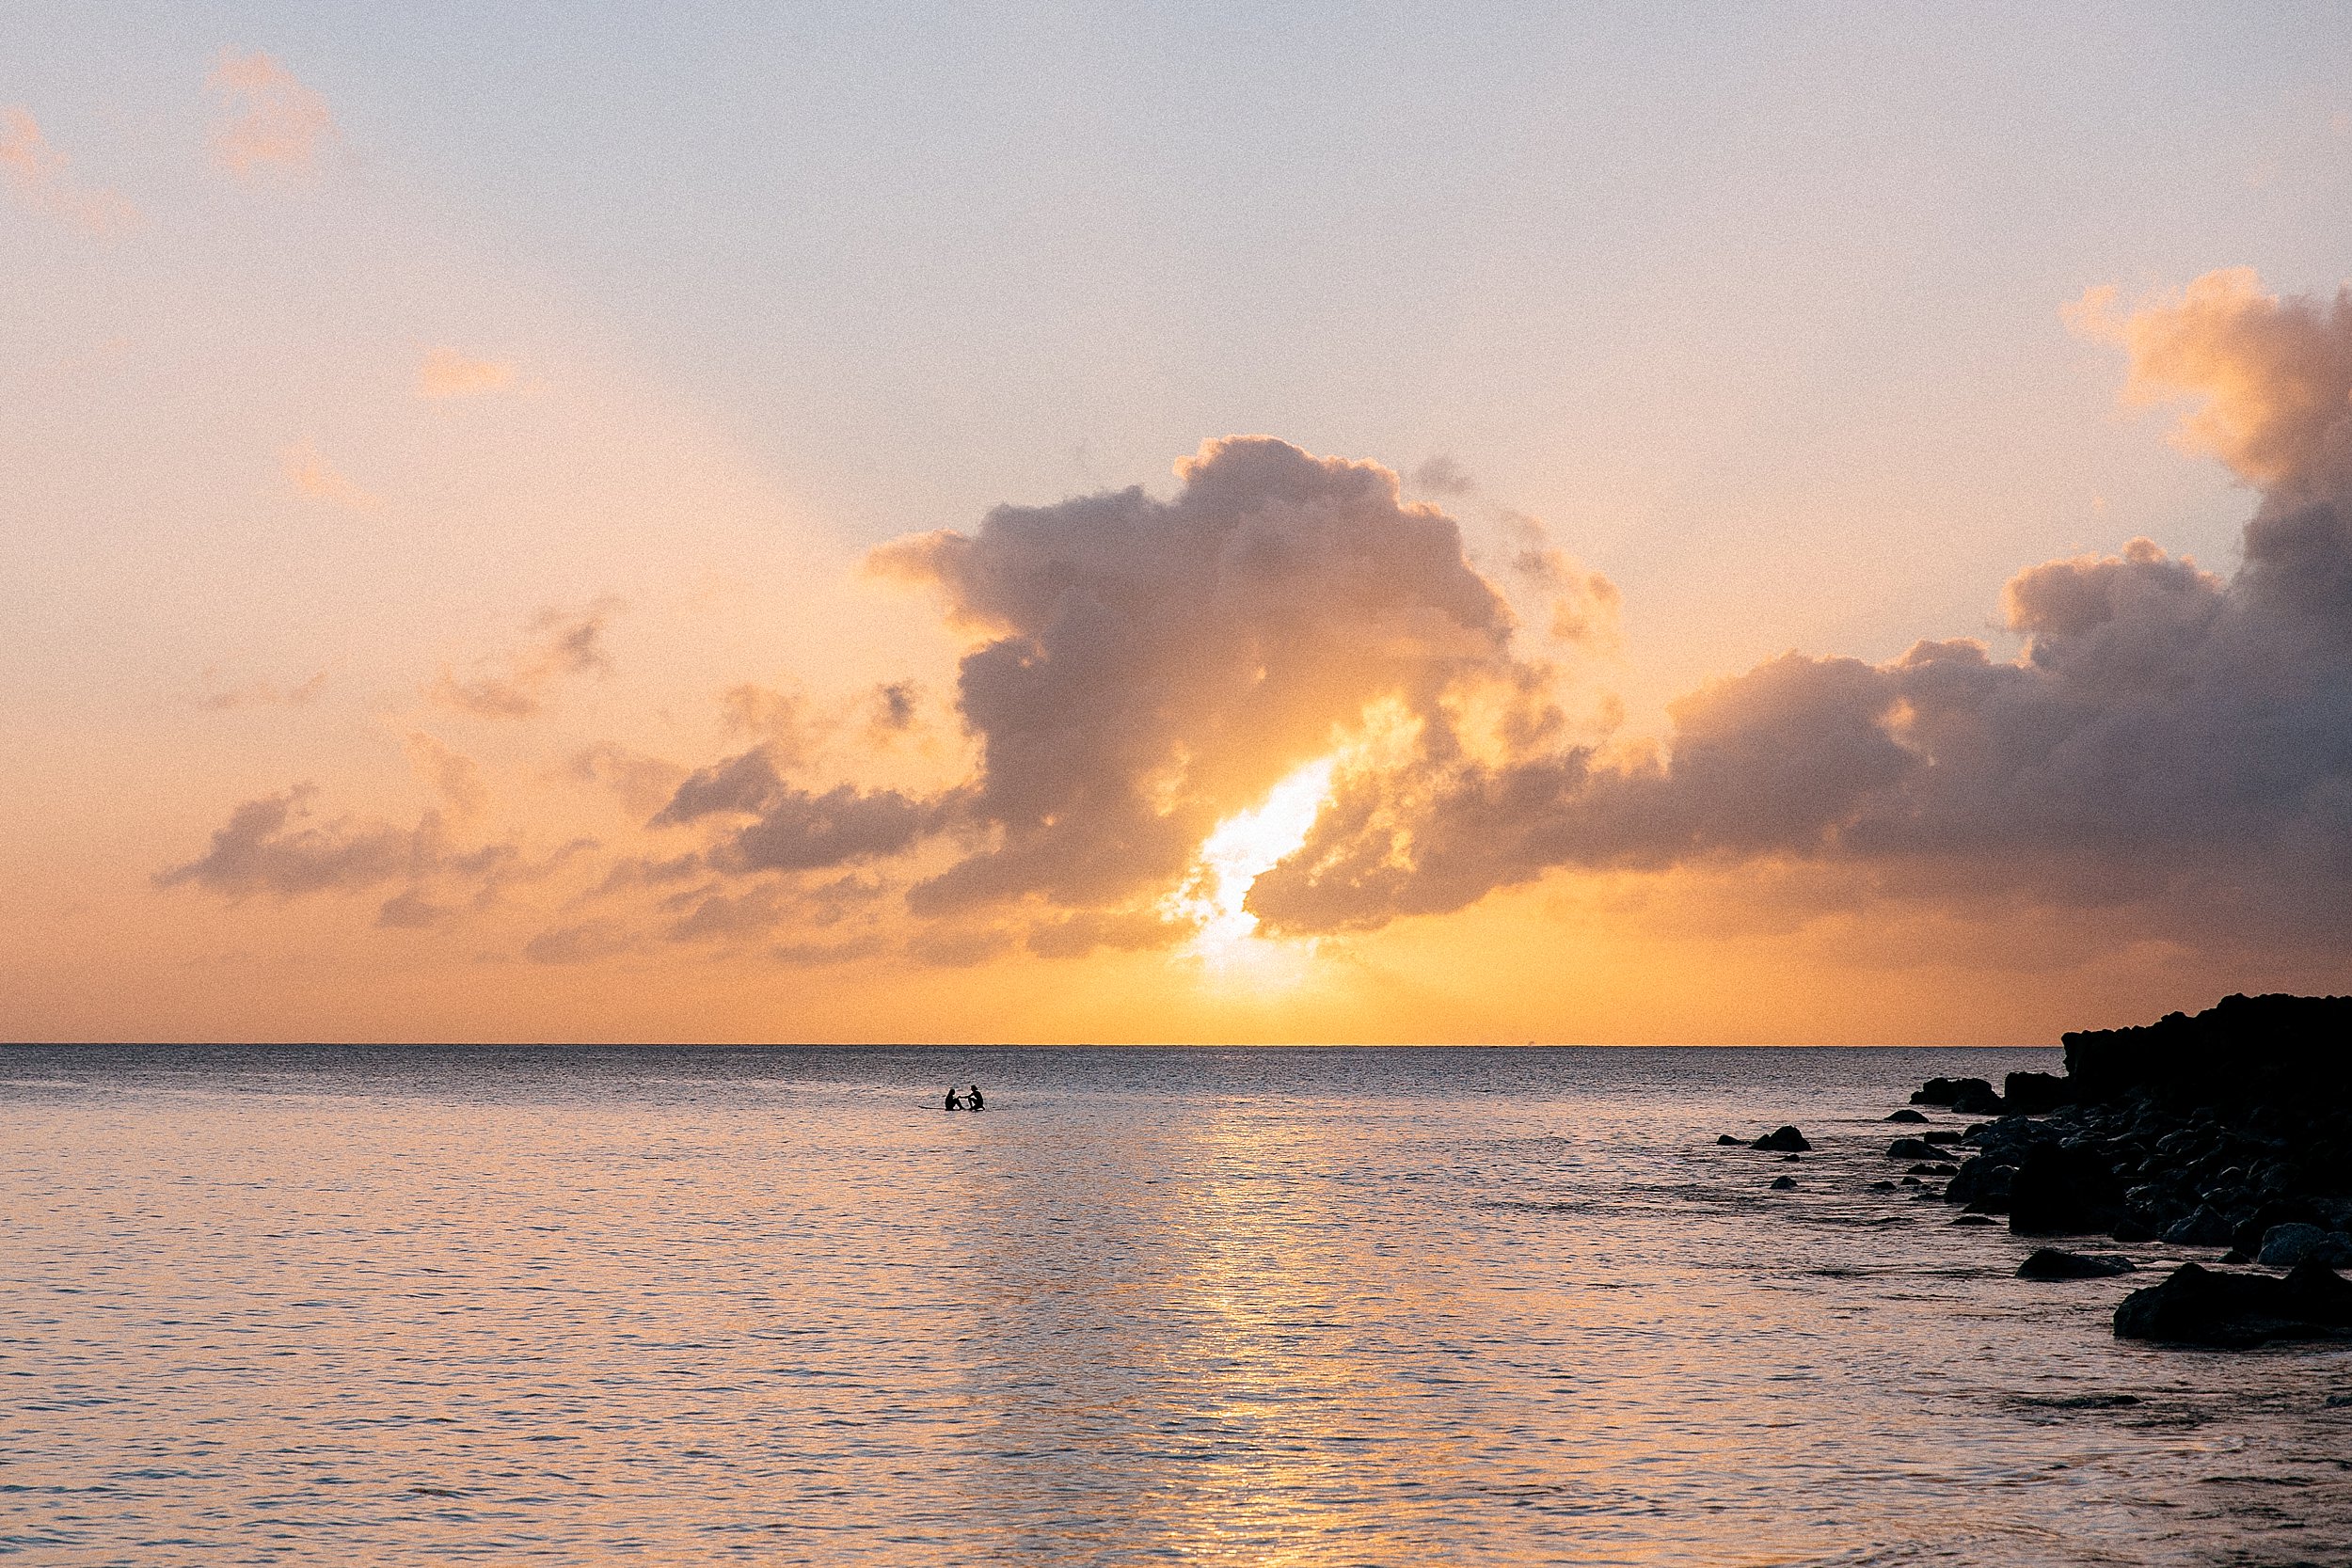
(1244, 848)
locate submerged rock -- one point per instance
(1912, 1149)
(1783, 1183)
(1783, 1139)
(1974, 1219)
(2199, 1306)
(2049, 1262)
(1906, 1114)
(1727, 1138)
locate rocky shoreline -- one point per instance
(2229, 1131)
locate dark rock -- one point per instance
(2237, 1255)
(2131, 1232)
(1974, 1219)
(1983, 1184)
(2198, 1306)
(1783, 1138)
(2205, 1228)
(1912, 1149)
(1882, 1186)
(2049, 1262)
(1727, 1138)
(1935, 1091)
(2269, 1216)
(1911, 1181)
(1907, 1114)
(1976, 1099)
(1970, 1096)
(2035, 1094)
(1945, 1135)
(2063, 1191)
(2284, 1247)
(1928, 1170)
(1782, 1183)
(2283, 1052)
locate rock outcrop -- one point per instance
(2200, 1306)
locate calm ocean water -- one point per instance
(670, 1306)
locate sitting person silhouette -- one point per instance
(973, 1101)
(953, 1104)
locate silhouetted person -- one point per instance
(973, 1101)
(953, 1104)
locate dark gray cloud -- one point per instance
(272, 846)
(267, 847)
(2167, 736)
(794, 829)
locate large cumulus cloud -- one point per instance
(2167, 736)
(1152, 667)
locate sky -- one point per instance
(1273, 523)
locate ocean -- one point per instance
(432, 1305)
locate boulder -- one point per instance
(1945, 1135)
(2063, 1191)
(2035, 1094)
(2267, 1217)
(1783, 1183)
(2285, 1246)
(1976, 1099)
(1935, 1091)
(1912, 1149)
(1970, 1096)
(1982, 1184)
(1882, 1186)
(1907, 1113)
(1782, 1140)
(2199, 1306)
(2205, 1228)
(2049, 1262)
(1727, 1138)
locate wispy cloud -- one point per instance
(262, 694)
(36, 176)
(447, 373)
(268, 121)
(455, 777)
(315, 477)
(568, 642)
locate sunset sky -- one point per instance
(1287, 523)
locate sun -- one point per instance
(1243, 848)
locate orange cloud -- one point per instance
(447, 373)
(268, 121)
(2268, 376)
(36, 176)
(312, 476)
